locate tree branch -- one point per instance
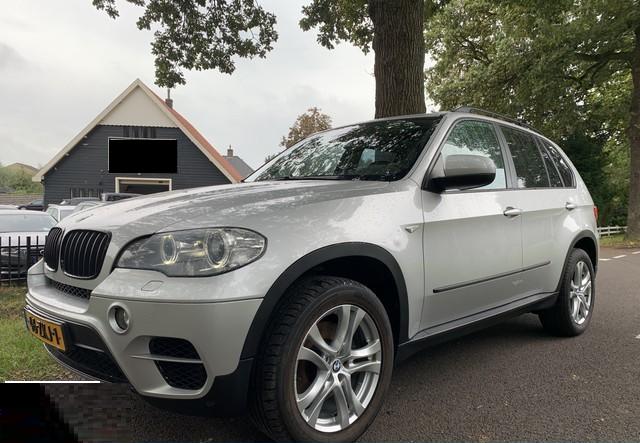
(606, 57)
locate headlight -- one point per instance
(198, 252)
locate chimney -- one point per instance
(168, 100)
(230, 151)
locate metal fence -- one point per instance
(606, 231)
(16, 257)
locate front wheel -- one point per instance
(326, 365)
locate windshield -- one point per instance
(26, 223)
(65, 211)
(379, 150)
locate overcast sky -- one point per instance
(62, 62)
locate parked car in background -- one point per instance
(82, 206)
(22, 238)
(115, 196)
(75, 200)
(11, 207)
(35, 205)
(58, 212)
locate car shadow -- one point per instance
(114, 412)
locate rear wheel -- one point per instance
(572, 312)
(326, 365)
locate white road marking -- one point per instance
(636, 252)
(620, 256)
(604, 259)
(638, 336)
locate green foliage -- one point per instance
(18, 181)
(22, 356)
(341, 20)
(201, 34)
(563, 66)
(618, 241)
(348, 21)
(306, 124)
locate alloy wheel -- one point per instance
(337, 368)
(580, 293)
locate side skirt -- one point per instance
(458, 328)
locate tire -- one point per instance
(319, 306)
(562, 319)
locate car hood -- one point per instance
(226, 205)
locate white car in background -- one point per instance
(22, 238)
(58, 212)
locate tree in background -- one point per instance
(570, 68)
(201, 34)
(270, 157)
(394, 30)
(314, 120)
(18, 181)
(207, 34)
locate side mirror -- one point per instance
(461, 172)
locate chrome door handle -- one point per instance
(512, 212)
(570, 206)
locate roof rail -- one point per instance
(515, 121)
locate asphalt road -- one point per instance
(511, 382)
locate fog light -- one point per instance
(119, 319)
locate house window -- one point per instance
(85, 192)
(138, 132)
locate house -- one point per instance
(139, 144)
(243, 168)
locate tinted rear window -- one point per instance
(563, 166)
(530, 169)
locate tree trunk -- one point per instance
(398, 43)
(633, 216)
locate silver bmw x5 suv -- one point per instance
(294, 293)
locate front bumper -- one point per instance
(216, 330)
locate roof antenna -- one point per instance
(168, 100)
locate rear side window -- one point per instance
(552, 170)
(563, 166)
(471, 137)
(530, 168)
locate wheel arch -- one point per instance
(330, 256)
(588, 242)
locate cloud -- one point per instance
(10, 59)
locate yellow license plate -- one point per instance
(46, 330)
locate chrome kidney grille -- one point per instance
(52, 248)
(80, 252)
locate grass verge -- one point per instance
(22, 356)
(618, 241)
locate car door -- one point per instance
(472, 238)
(539, 194)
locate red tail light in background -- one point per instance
(595, 213)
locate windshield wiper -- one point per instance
(372, 177)
(313, 177)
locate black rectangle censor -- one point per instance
(143, 155)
